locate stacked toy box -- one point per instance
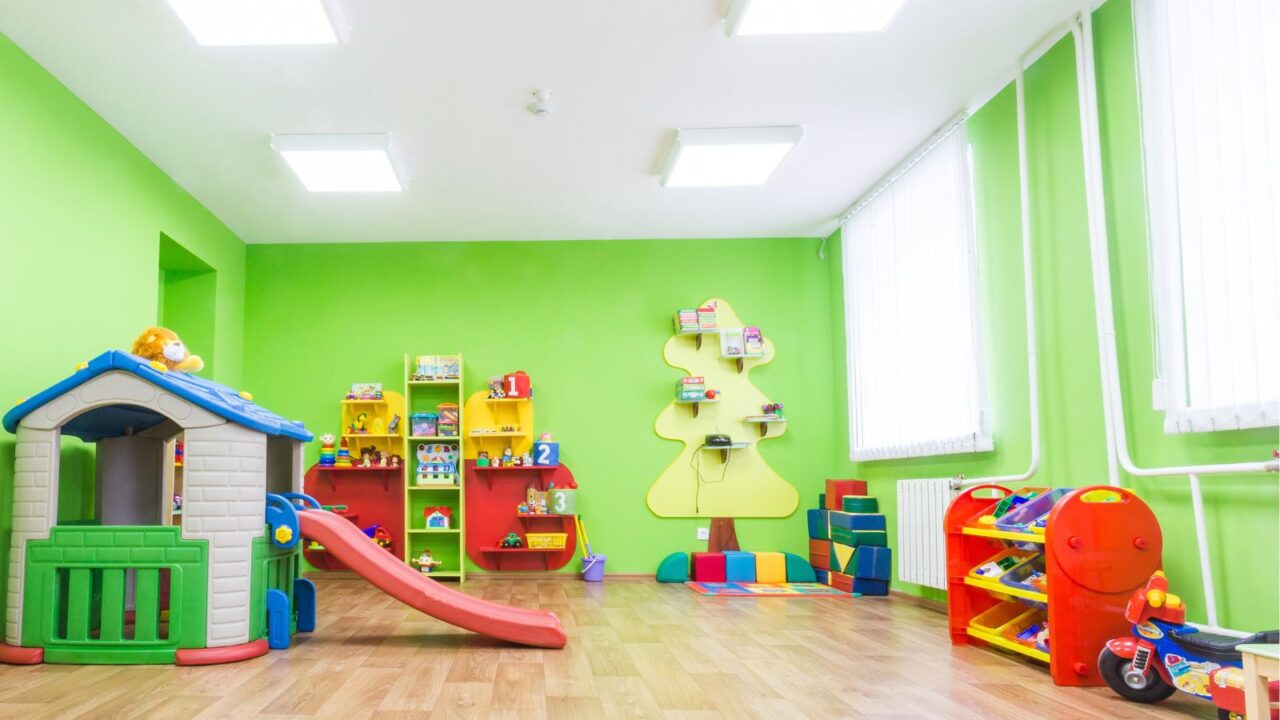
(848, 542)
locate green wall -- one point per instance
(586, 320)
(80, 225)
(1241, 510)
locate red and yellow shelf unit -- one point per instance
(1073, 564)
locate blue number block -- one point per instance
(873, 563)
(818, 525)
(546, 453)
(870, 587)
(739, 566)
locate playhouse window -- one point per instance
(112, 466)
(281, 468)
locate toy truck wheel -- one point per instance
(1228, 715)
(1115, 670)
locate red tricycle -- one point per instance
(1165, 654)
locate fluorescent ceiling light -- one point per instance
(790, 17)
(727, 157)
(340, 163)
(262, 22)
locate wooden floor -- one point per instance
(636, 649)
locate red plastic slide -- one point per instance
(346, 542)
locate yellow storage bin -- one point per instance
(547, 541)
(1000, 617)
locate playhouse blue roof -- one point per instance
(217, 399)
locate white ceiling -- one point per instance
(449, 80)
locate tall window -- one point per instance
(915, 376)
(1210, 78)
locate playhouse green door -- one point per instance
(122, 595)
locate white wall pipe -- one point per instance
(1095, 213)
(1202, 539)
(1028, 289)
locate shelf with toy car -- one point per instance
(434, 490)
(1021, 561)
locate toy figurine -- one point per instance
(523, 508)
(512, 540)
(179, 451)
(425, 562)
(772, 408)
(351, 396)
(482, 458)
(527, 459)
(177, 504)
(495, 388)
(326, 450)
(383, 459)
(518, 461)
(379, 427)
(367, 455)
(360, 426)
(395, 461)
(507, 460)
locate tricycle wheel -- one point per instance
(1115, 671)
(1228, 715)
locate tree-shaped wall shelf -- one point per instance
(741, 484)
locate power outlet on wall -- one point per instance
(704, 533)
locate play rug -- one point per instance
(740, 589)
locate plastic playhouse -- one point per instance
(121, 583)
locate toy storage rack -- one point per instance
(1099, 545)
(418, 395)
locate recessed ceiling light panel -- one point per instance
(727, 157)
(792, 17)
(340, 163)
(262, 22)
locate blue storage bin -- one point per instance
(739, 566)
(1020, 518)
(1019, 576)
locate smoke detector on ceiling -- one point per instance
(541, 105)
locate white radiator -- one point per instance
(922, 545)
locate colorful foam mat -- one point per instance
(740, 589)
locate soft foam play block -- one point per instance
(858, 538)
(855, 521)
(798, 571)
(771, 567)
(739, 566)
(840, 581)
(870, 587)
(837, 489)
(674, 568)
(820, 554)
(708, 567)
(859, 503)
(822, 576)
(822, 500)
(841, 557)
(873, 563)
(818, 524)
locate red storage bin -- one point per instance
(708, 567)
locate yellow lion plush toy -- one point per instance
(163, 345)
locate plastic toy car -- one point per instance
(512, 540)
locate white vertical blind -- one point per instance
(1210, 78)
(910, 310)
